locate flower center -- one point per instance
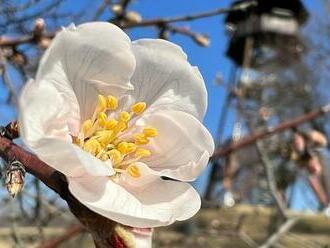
(107, 138)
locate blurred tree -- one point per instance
(274, 80)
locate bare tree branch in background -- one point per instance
(269, 170)
(251, 139)
(191, 17)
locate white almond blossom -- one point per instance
(116, 117)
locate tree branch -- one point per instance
(70, 233)
(12, 42)
(267, 164)
(314, 183)
(162, 21)
(283, 229)
(251, 139)
(53, 179)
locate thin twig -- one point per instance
(6, 41)
(199, 38)
(101, 9)
(125, 3)
(247, 239)
(35, 15)
(6, 79)
(316, 186)
(12, 42)
(191, 17)
(52, 208)
(268, 167)
(69, 234)
(283, 229)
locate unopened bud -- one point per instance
(202, 40)
(117, 9)
(163, 34)
(39, 26)
(13, 128)
(10, 131)
(15, 175)
(318, 138)
(298, 143)
(18, 59)
(133, 17)
(44, 43)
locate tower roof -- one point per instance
(293, 8)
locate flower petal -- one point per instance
(183, 145)
(143, 240)
(146, 176)
(80, 60)
(157, 204)
(44, 114)
(71, 160)
(164, 79)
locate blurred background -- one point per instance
(266, 67)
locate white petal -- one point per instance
(90, 59)
(143, 238)
(44, 114)
(164, 79)
(159, 203)
(146, 176)
(143, 241)
(70, 159)
(183, 145)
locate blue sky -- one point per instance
(210, 60)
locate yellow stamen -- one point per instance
(124, 116)
(122, 147)
(112, 102)
(140, 139)
(105, 137)
(141, 152)
(150, 132)
(101, 104)
(86, 126)
(131, 147)
(110, 124)
(121, 126)
(115, 156)
(138, 107)
(102, 119)
(126, 147)
(134, 171)
(92, 146)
